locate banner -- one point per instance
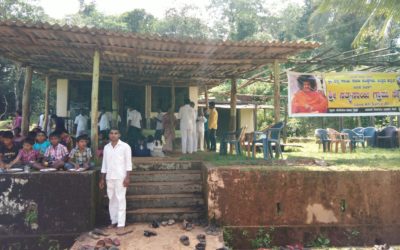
(343, 94)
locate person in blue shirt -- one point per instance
(41, 143)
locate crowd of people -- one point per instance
(51, 145)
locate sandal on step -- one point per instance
(184, 240)
(100, 244)
(116, 242)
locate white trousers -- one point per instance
(194, 136)
(200, 139)
(116, 193)
(187, 141)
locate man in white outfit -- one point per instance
(186, 115)
(115, 173)
(194, 130)
(81, 122)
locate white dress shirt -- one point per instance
(116, 160)
(104, 123)
(134, 117)
(81, 122)
(186, 115)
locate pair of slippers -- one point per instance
(108, 243)
(169, 222)
(96, 233)
(186, 225)
(200, 246)
(148, 233)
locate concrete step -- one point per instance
(176, 187)
(164, 201)
(166, 175)
(166, 165)
(160, 214)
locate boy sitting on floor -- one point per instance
(41, 143)
(8, 150)
(56, 154)
(27, 156)
(80, 156)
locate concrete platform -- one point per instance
(167, 238)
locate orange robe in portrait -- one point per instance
(309, 102)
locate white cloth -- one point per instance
(134, 118)
(187, 140)
(159, 125)
(116, 160)
(104, 123)
(81, 122)
(194, 131)
(186, 115)
(41, 121)
(200, 131)
(116, 193)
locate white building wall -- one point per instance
(247, 119)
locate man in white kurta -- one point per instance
(186, 116)
(194, 130)
(81, 123)
(115, 172)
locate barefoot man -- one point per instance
(117, 164)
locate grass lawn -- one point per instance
(304, 159)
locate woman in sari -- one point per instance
(169, 121)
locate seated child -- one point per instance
(140, 149)
(80, 156)
(67, 140)
(56, 154)
(8, 150)
(155, 147)
(42, 143)
(27, 156)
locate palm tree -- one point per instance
(382, 15)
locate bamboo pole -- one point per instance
(115, 100)
(232, 121)
(46, 103)
(95, 103)
(26, 103)
(206, 96)
(277, 103)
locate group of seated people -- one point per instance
(147, 147)
(59, 151)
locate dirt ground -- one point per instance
(167, 238)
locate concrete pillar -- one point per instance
(62, 98)
(94, 135)
(26, 102)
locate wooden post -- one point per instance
(277, 103)
(46, 103)
(232, 121)
(173, 97)
(95, 101)
(359, 123)
(285, 121)
(372, 121)
(206, 96)
(255, 116)
(341, 123)
(148, 105)
(115, 100)
(26, 102)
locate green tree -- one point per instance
(139, 21)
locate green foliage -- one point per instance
(320, 242)
(263, 238)
(227, 235)
(22, 10)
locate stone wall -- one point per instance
(40, 210)
(348, 208)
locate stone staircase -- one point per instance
(165, 189)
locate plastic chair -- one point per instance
(386, 138)
(337, 138)
(324, 139)
(264, 136)
(354, 138)
(358, 130)
(274, 138)
(234, 139)
(370, 136)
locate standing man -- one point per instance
(81, 124)
(115, 173)
(194, 129)
(104, 123)
(186, 116)
(134, 123)
(159, 126)
(212, 126)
